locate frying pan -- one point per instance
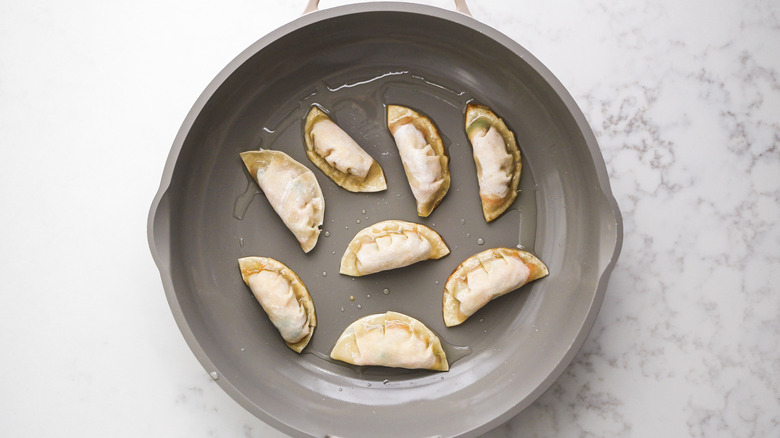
(353, 61)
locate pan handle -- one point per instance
(460, 6)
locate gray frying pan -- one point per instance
(354, 61)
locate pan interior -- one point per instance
(354, 65)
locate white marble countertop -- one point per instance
(684, 98)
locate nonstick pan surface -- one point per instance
(354, 61)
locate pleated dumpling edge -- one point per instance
(391, 244)
(390, 339)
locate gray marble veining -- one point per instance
(685, 103)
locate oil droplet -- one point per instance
(327, 234)
(455, 352)
(468, 235)
(481, 319)
(342, 309)
(352, 298)
(436, 282)
(324, 274)
(463, 221)
(386, 291)
(359, 306)
(332, 220)
(520, 246)
(480, 241)
(346, 227)
(214, 375)
(341, 389)
(243, 349)
(368, 296)
(433, 225)
(357, 221)
(333, 252)
(385, 381)
(363, 211)
(241, 242)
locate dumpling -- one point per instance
(339, 156)
(393, 340)
(423, 156)
(284, 298)
(292, 190)
(497, 158)
(391, 244)
(485, 276)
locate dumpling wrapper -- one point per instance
(339, 157)
(284, 298)
(393, 340)
(293, 191)
(497, 159)
(389, 245)
(422, 154)
(484, 277)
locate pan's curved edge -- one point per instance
(158, 223)
(611, 218)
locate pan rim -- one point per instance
(158, 210)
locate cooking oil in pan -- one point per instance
(455, 352)
(358, 104)
(244, 199)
